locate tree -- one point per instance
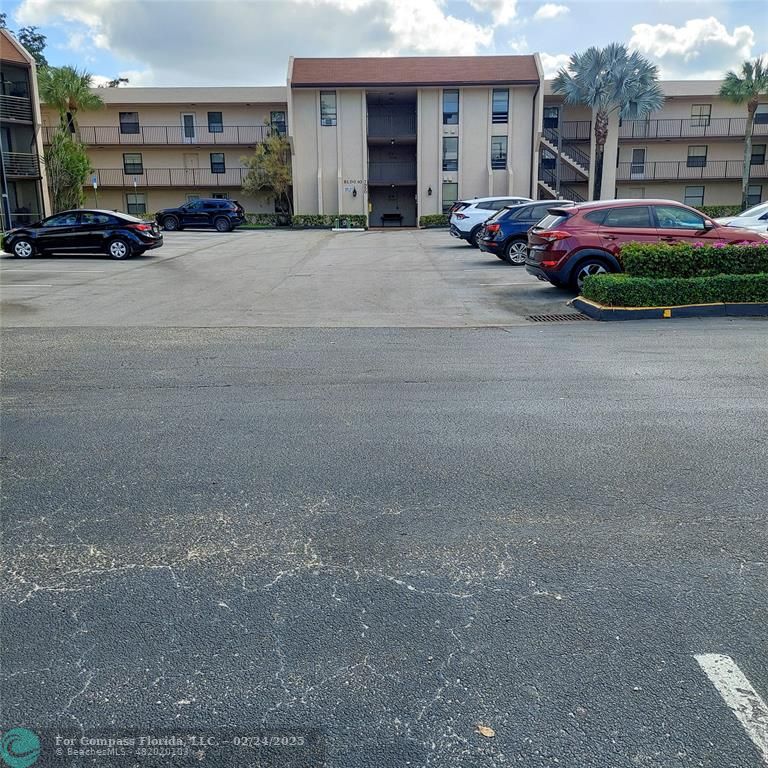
(67, 167)
(747, 87)
(31, 39)
(269, 169)
(67, 89)
(116, 83)
(609, 80)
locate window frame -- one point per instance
(448, 203)
(500, 163)
(761, 113)
(697, 160)
(704, 118)
(450, 164)
(451, 117)
(687, 196)
(700, 216)
(497, 116)
(624, 208)
(280, 126)
(751, 200)
(761, 161)
(133, 165)
(125, 124)
(135, 203)
(215, 165)
(328, 117)
(214, 126)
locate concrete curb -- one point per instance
(600, 312)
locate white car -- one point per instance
(468, 216)
(755, 218)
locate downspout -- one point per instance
(534, 135)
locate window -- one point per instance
(217, 162)
(450, 107)
(758, 154)
(548, 159)
(694, 196)
(597, 217)
(133, 165)
(450, 194)
(327, 107)
(129, 122)
(500, 105)
(551, 117)
(754, 194)
(136, 202)
(215, 122)
(697, 156)
(192, 198)
(220, 195)
(194, 205)
(63, 220)
(277, 121)
(700, 115)
(450, 153)
(672, 217)
(761, 115)
(638, 162)
(95, 219)
(634, 216)
(498, 152)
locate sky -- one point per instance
(248, 42)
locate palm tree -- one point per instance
(67, 89)
(748, 88)
(609, 80)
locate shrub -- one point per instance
(67, 166)
(621, 290)
(693, 260)
(433, 220)
(716, 211)
(326, 221)
(263, 219)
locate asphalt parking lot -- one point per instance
(339, 486)
(279, 278)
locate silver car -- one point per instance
(755, 218)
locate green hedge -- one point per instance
(434, 220)
(620, 290)
(317, 221)
(265, 219)
(692, 260)
(716, 211)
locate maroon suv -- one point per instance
(571, 243)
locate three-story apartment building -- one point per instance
(22, 180)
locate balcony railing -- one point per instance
(566, 192)
(662, 170)
(576, 130)
(397, 172)
(101, 135)
(676, 128)
(21, 164)
(581, 157)
(169, 177)
(15, 108)
(391, 126)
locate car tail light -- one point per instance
(553, 235)
(142, 227)
(492, 228)
(461, 215)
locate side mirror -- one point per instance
(709, 225)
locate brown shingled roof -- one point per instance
(414, 70)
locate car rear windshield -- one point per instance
(552, 220)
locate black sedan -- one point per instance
(84, 231)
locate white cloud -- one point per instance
(552, 64)
(518, 44)
(502, 11)
(551, 11)
(701, 48)
(209, 48)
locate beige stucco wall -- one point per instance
(157, 198)
(303, 128)
(352, 150)
(715, 192)
(429, 131)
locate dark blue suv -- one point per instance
(506, 234)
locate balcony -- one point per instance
(20, 165)
(15, 108)
(167, 135)
(398, 172)
(170, 177)
(574, 130)
(665, 170)
(696, 128)
(392, 126)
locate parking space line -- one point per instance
(28, 285)
(62, 271)
(742, 699)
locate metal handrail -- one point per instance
(679, 169)
(566, 191)
(21, 164)
(386, 126)
(695, 127)
(581, 157)
(15, 108)
(393, 171)
(169, 134)
(169, 177)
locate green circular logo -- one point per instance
(19, 748)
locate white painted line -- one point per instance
(62, 271)
(742, 699)
(27, 285)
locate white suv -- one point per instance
(468, 216)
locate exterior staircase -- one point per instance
(569, 152)
(548, 182)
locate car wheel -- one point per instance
(170, 224)
(23, 249)
(586, 268)
(222, 224)
(474, 237)
(515, 252)
(119, 249)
